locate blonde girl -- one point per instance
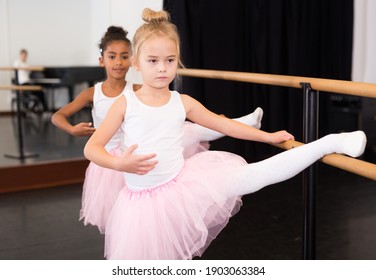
(176, 208)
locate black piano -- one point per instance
(57, 77)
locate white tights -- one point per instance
(194, 133)
(253, 177)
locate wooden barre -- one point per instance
(356, 166)
(335, 86)
(30, 68)
(353, 165)
(22, 88)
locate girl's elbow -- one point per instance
(53, 119)
(87, 150)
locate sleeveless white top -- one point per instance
(156, 130)
(101, 105)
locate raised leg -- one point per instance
(253, 177)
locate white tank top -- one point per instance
(101, 105)
(156, 130)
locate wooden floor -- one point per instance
(43, 224)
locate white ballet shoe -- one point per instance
(258, 114)
(254, 119)
(354, 143)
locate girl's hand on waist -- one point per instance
(83, 129)
(138, 164)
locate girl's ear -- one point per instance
(101, 62)
(134, 64)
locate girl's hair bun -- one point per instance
(116, 30)
(150, 16)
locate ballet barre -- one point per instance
(353, 165)
(310, 87)
(329, 85)
(346, 163)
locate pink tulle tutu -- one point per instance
(100, 190)
(191, 146)
(179, 219)
(195, 148)
(102, 186)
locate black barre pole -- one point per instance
(21, 153)
(19, 126)
(310, 133)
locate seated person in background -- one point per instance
(24, 78)
(23, 75)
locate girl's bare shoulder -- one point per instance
(88, 94)
(186, 98)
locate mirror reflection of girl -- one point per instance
(171, 207)
(102, 185)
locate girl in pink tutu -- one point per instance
(171, 207)
(102, 185)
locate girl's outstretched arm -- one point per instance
(95, 147)
(197, 113)
(60, 117)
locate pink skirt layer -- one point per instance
(102, 186)
(190, 135)
(196, 148)
(179, 219)
(100, 190)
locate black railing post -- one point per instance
(21, 153)
(310, 133)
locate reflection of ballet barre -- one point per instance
(352, 165)
(29, 68)
(21, 88)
